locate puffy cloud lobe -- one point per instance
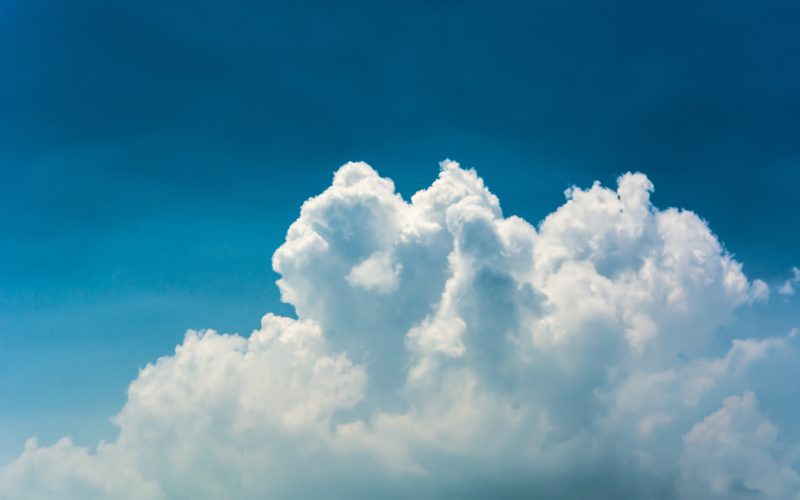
(735, 452)
(442, 348)
(788, 286)
(206, 421)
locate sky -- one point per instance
(153, 156)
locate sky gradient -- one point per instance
(153, 156)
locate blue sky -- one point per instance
(152, 156)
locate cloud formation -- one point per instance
(441, 348)
(788, 286)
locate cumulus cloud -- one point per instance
(735, 451)
(443, 349)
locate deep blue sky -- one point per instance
(152, 156)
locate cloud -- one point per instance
(788, 286)
(735, 452)
(443, 349)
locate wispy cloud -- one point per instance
(788, 286)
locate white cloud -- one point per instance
(375, 273)
(444, 349)
(788, 286)
(735, 452)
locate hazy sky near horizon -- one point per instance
(154, 154)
